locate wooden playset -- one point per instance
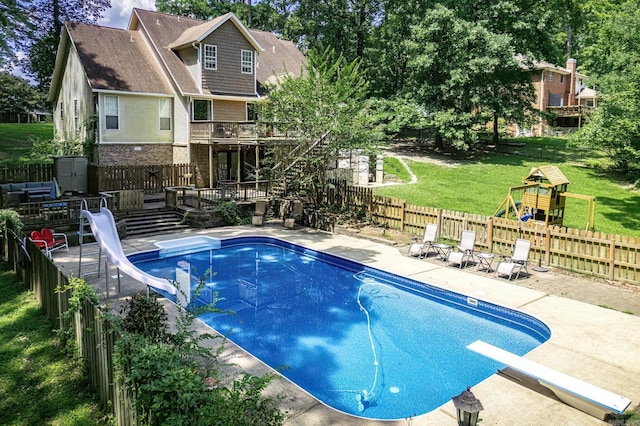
(542, 198)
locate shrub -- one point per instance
(231, 213)
(173, 379)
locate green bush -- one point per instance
(231, 213)
(174, 380)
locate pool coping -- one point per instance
(588, 342)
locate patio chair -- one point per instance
(37, 239)
(421, 248)
(464, 252)
(518, 260)
(54, 241)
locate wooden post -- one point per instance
(403, 212)
(490, 235)
(612, 258)
(547, 245)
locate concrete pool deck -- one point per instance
(591, 343)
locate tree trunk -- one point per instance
(495, 128)
(439, 141)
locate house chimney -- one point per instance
(571, 66)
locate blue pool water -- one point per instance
(363, 341)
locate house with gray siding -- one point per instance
(169, 90)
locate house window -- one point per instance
(111, 112)
(247, 62)
(164, 113)
(76, 115)
(210, 57)
(550, 76)
(201, 110)
(61, 110)
(252, 111)
(561, 78)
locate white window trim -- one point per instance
(117, 98)
(246, 64)
(160, 117)
(550, 76)
(207, 57)
(209, 110)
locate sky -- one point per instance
(120, 12)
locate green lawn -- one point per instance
(16, 140)
(481, 184)
(39, 385)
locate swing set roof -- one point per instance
(550, 173)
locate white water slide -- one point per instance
(104, 230)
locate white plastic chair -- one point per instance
(465, 249)
(421, 248)
(518, 260)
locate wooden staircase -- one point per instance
(292, 165)
(153, 222)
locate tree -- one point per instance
(18, 97)
(48, 17)
(615, 125)
(13, 27)
(461, 74)
(344, 26)
(325, 111)
(615, 67)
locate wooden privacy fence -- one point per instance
(26, 173)
(93, 334)
(598, 254)
(152, 179)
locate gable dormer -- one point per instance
(221, 56)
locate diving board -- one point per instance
(584, 396)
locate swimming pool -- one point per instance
(361, 340)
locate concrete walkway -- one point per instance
(591, 343)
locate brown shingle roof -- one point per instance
(278, 56)
(167, 31)
(163, 30)
(115, 59)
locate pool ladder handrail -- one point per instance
(82, 234)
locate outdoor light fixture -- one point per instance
(467, 408)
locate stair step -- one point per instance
(154, 222)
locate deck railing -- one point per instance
(201, 198)
(152, 179)
(571, 111)
(65, 212)
(233, 131)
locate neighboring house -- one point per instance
(561, 95)
(169, 89)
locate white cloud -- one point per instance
(120, 12)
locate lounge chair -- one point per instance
(518, 260)
(421, 248)
(465, 249)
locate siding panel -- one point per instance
(228, 78)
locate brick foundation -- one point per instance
(131, 154)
